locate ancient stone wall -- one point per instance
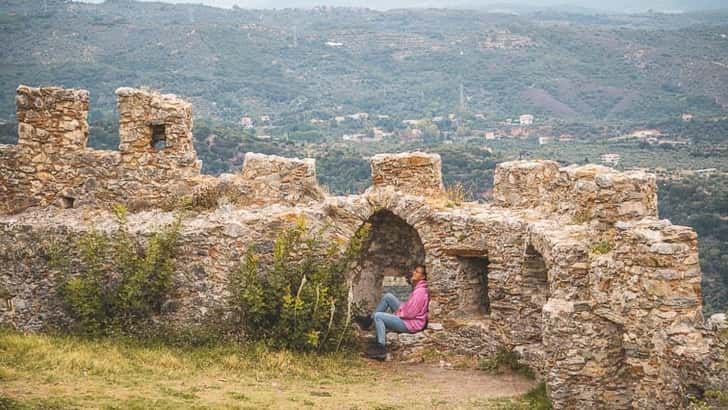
(156, 165)
(52, 120)
(570, 267)
(589, 192)
(51, 164)
(276, 179)
(650, 288)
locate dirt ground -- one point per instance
(452, 383)
(389, 385)
(38, 371)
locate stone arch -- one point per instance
(411, 210)
(390, 252)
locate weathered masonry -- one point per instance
(568, 266)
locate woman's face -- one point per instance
(417, 275)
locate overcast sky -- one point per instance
(611, 5)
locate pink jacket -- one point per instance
(413, 312)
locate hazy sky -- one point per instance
(612, 5)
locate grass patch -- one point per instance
(238, 396)
(34, 404)
(456, 194)
(538, 398)
(601, 248)
(61, 355)
(62, 371)
(504, 360)
(582, 216)
(535, 399)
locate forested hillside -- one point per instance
(299, 64)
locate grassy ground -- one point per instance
(43, 371)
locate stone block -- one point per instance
(415, 173)
(717, 321)
(586, 193)
(524, 184)
(154, 123)
(271, 178)
(52, 116)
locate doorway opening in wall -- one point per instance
(159, 137)
(475, 300)
(388, 256)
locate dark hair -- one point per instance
(424, 270)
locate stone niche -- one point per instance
(475, 301)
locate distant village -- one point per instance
(364, 128)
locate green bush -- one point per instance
(601, 248)
(582, 216)
(116, 284)
(504, 359)
(300, 299)
(538, 399)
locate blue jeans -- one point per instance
(384, 321)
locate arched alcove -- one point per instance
(391, 251)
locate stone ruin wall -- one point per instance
(570, 267)
(51, 164)
(589, 192)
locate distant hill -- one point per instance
(300, 64)
(618, 6)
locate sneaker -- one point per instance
(378, 352)
(364, 322)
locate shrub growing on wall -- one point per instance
(116, 283)
(300, 299)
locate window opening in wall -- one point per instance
(475, 271)
(159, 137)
(399, 286)
(67, 202)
